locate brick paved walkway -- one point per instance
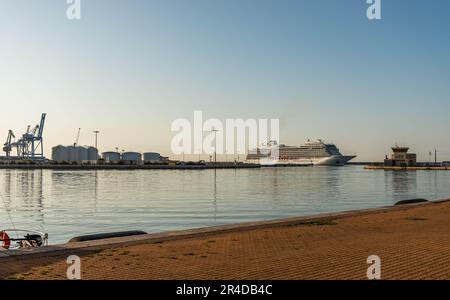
(413, 243)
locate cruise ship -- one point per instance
(311, 153)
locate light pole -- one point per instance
(96, 132)
(215, 145)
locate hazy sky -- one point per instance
(129, 68)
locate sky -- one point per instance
(130, 68)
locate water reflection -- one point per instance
(402, 183)
(69, 203)
(23, 196)
(215, 194)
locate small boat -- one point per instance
(13, 239)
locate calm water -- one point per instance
(70, 203)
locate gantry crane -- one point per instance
(31, 145)
(7, 147)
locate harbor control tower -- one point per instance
(400, 157)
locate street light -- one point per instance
(96, 132)
(215, 145)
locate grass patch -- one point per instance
(125, 253)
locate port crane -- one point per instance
(7, 147)
(31, 144)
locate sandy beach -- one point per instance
(413, 242)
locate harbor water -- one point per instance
(72, 203)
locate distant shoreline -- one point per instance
(390, 168)
(93, 167)
(128, 167)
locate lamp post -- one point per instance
(96, 132)
(215, 145)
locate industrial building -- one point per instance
(131, 158)
(154, 157)
(111, 157)
(400, 157)
(74, 154)
(30, 147)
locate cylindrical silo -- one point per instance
(152, 157)
(92, 154)
(60, 154)
(134, 158)
(82, 154)
(73, 153)
(111, 157)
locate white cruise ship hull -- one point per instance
(334, 160)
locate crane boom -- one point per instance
(41, 125)
(10, 137)
(35, 129)
(8, 146)
(78, 137)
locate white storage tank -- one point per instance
(111, 157)
(73, 153)
(134, 158)
(92, 154)
(60, 153)
(152, 157)
(82, 154)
